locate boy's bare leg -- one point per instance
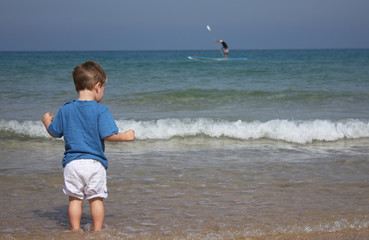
(97, 212)
(75, 213)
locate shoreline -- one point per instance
(211, 234)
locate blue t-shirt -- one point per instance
(84, 125)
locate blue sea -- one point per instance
(274, 146)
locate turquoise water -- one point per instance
(301, 87)
(238, 142)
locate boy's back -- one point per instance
(84, 125)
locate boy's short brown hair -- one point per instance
(87, 75)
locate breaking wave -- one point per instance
(301, 132)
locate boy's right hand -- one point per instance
(126, 136)
(130, 135)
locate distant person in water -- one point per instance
(224, 48)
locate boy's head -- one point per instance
(87, 75)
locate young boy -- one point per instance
(85, 124)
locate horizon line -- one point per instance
(184, 50)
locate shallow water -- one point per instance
(243, 190)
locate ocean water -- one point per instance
(275, 145)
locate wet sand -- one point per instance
(211, 234)
(251, 192)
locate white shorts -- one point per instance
(85, 179)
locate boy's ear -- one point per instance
(97, 86)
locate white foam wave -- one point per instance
(293, 131)
(26, 128)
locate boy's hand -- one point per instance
(47, 119)
(126, 136)
(130, 135)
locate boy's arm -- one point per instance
(126, 136)
(46, 120)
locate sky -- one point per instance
(58, 25)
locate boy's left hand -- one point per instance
(47, 119)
